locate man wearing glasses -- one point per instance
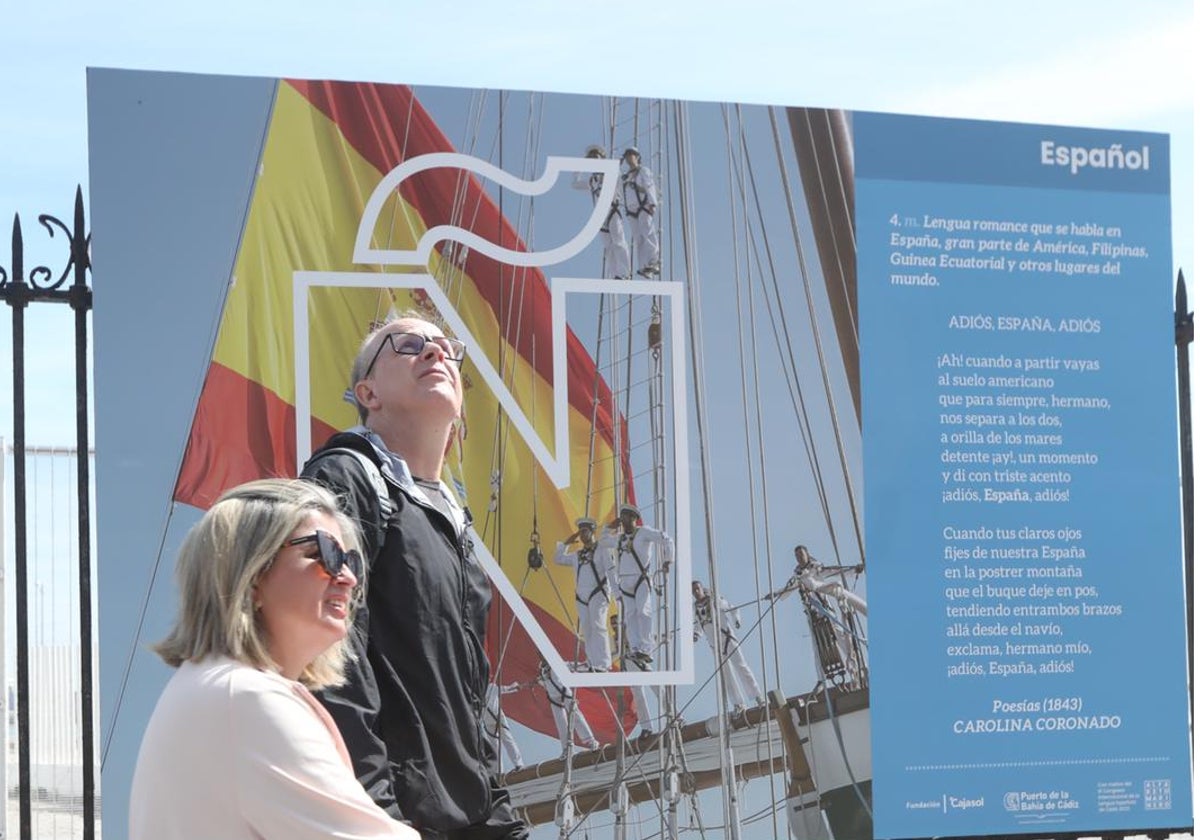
(412, 705)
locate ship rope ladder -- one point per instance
(513, 284)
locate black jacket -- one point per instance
(410, 711)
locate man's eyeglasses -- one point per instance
(413, 344)
(332, 558)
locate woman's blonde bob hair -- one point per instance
(223, 557)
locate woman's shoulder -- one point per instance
(216, 698)
(222, 671)
(254, 703)
(228, 679)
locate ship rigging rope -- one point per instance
(654, 389)
(653, 377)
(457, 252)
(816, 332)
(135, 642)
(731, 157)
(499, 438)
(784, 345)
(771, 810)
(507, 370)
(535, 537)
(596, 379)
(588, 489)
(345, 144)
(648, 754)
(452, 266)
(837, 728)
(509, 337)
(817, 476)
(692, 274)
(760, 442)
(761, 448)
(672, 759)
(382, 296)
(622, 487)
(512, 620)
(835, 619)
(675, 759)
(721, 661)
(823, 685)
(779, 324)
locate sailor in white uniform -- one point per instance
(561, 699)
(640, 195)
(496, 726)
(642, 558)
(828, 601)
(612, 232)
(740, 684)
(593, 572)
(641, 693)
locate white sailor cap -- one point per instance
(628, 508)
(585, 522)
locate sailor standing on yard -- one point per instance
(561, 700)
(641, 204)
(830, 606)
(612, 232)
(740, 683)
(641, 555)
(593, 570)
(641, 694)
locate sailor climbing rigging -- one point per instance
(593, 573)
(642, 556)
(495, 724)
(740, 683)
(640, 194)
(831, 608)
(561, 701)
(641, 693)
(612, 232)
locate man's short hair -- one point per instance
(221, 560)
(368, 349)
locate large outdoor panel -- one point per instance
(1005, 474)
(1022, 504)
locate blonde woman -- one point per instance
(237, 747)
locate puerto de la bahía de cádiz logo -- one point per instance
(556, 463)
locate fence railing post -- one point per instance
(18, 291)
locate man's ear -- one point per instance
(365, 395)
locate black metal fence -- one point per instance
(19, 289)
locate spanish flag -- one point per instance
(328, 145)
